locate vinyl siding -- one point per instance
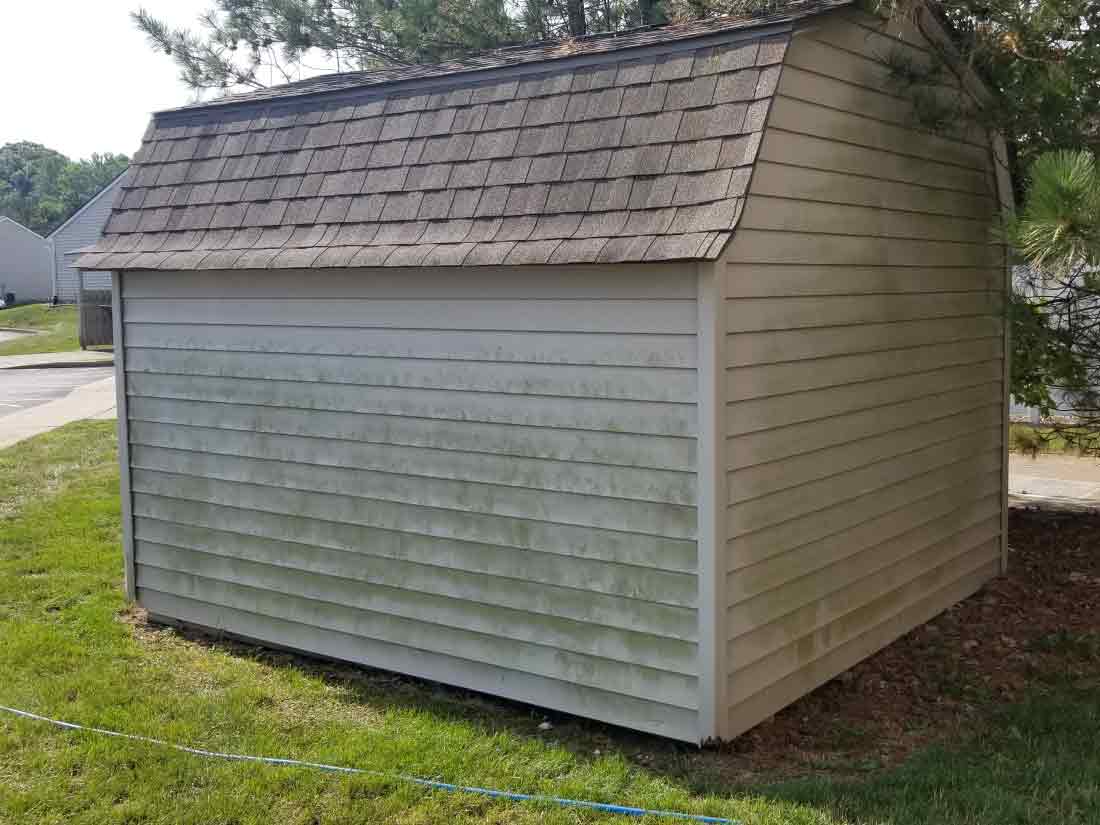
(82, 230)
(487, 480)
(865, 376)
(24, 262)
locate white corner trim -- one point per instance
(127, 501)
(711, 497)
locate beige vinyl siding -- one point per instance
(487, 480)
(865, 375)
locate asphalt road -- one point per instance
(24, 388)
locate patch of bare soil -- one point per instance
(1040, 619)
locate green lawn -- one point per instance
(57, 327)
(69, 649)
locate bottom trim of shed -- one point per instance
(615, 709)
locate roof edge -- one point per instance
(26, 229)
(776, 23)
(89, 202)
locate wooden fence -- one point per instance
(95, 318)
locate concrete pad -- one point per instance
(94, 400)
(1057, 480)
(12, 334)
(41, 360)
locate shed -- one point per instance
(24, 263)
(83, 227)
(656, 378)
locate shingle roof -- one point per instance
(639, 152)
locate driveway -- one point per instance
(23, 389)
(1054, 479)
(8, 335)
(33, 401)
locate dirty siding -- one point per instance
(864, 389)
(482, 478)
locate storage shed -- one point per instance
(656, 378)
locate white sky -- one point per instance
(78, 77)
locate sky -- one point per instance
(76, 75)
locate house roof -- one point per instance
(613, 148)
(106, 191)
(15, 223)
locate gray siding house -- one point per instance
(83, 228)
(656, 378)
(24, 263)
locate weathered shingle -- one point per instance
(628, 156)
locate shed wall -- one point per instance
(82, 230)
(24, 263)
(485, 478)
(865, 345)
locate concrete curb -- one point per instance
(20, 329)
(58, 364)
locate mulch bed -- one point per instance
(1043, 617)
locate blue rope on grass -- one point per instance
(605, 807)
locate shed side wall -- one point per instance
(484, 478)
(865, 346)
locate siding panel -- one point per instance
(488, 482)
(864, 376)
(82, 230)
(491, 677)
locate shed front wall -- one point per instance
(484, 477)
(865, 396)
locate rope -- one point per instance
(605, 807)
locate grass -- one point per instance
(57, 328)
(69, 649)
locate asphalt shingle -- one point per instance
(626, 157)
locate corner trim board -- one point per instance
(126, 496)
(711, 497)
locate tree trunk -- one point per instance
(578, 25)
(651, 12)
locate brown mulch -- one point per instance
(1042, 617)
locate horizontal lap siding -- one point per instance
(864, 382)
(486, 485)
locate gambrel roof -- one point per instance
(612, 148)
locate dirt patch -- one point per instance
(1042, 618)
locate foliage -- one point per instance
(241, 43)
(1056, 311)
(1039, 60)
(41, 188)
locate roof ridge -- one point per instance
(672, 35)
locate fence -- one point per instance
(95, 318)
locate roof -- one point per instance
(15, 223)
(106, 191)
(616, 148)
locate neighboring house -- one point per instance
(656, 377)
(82, 228)
(24, 263)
